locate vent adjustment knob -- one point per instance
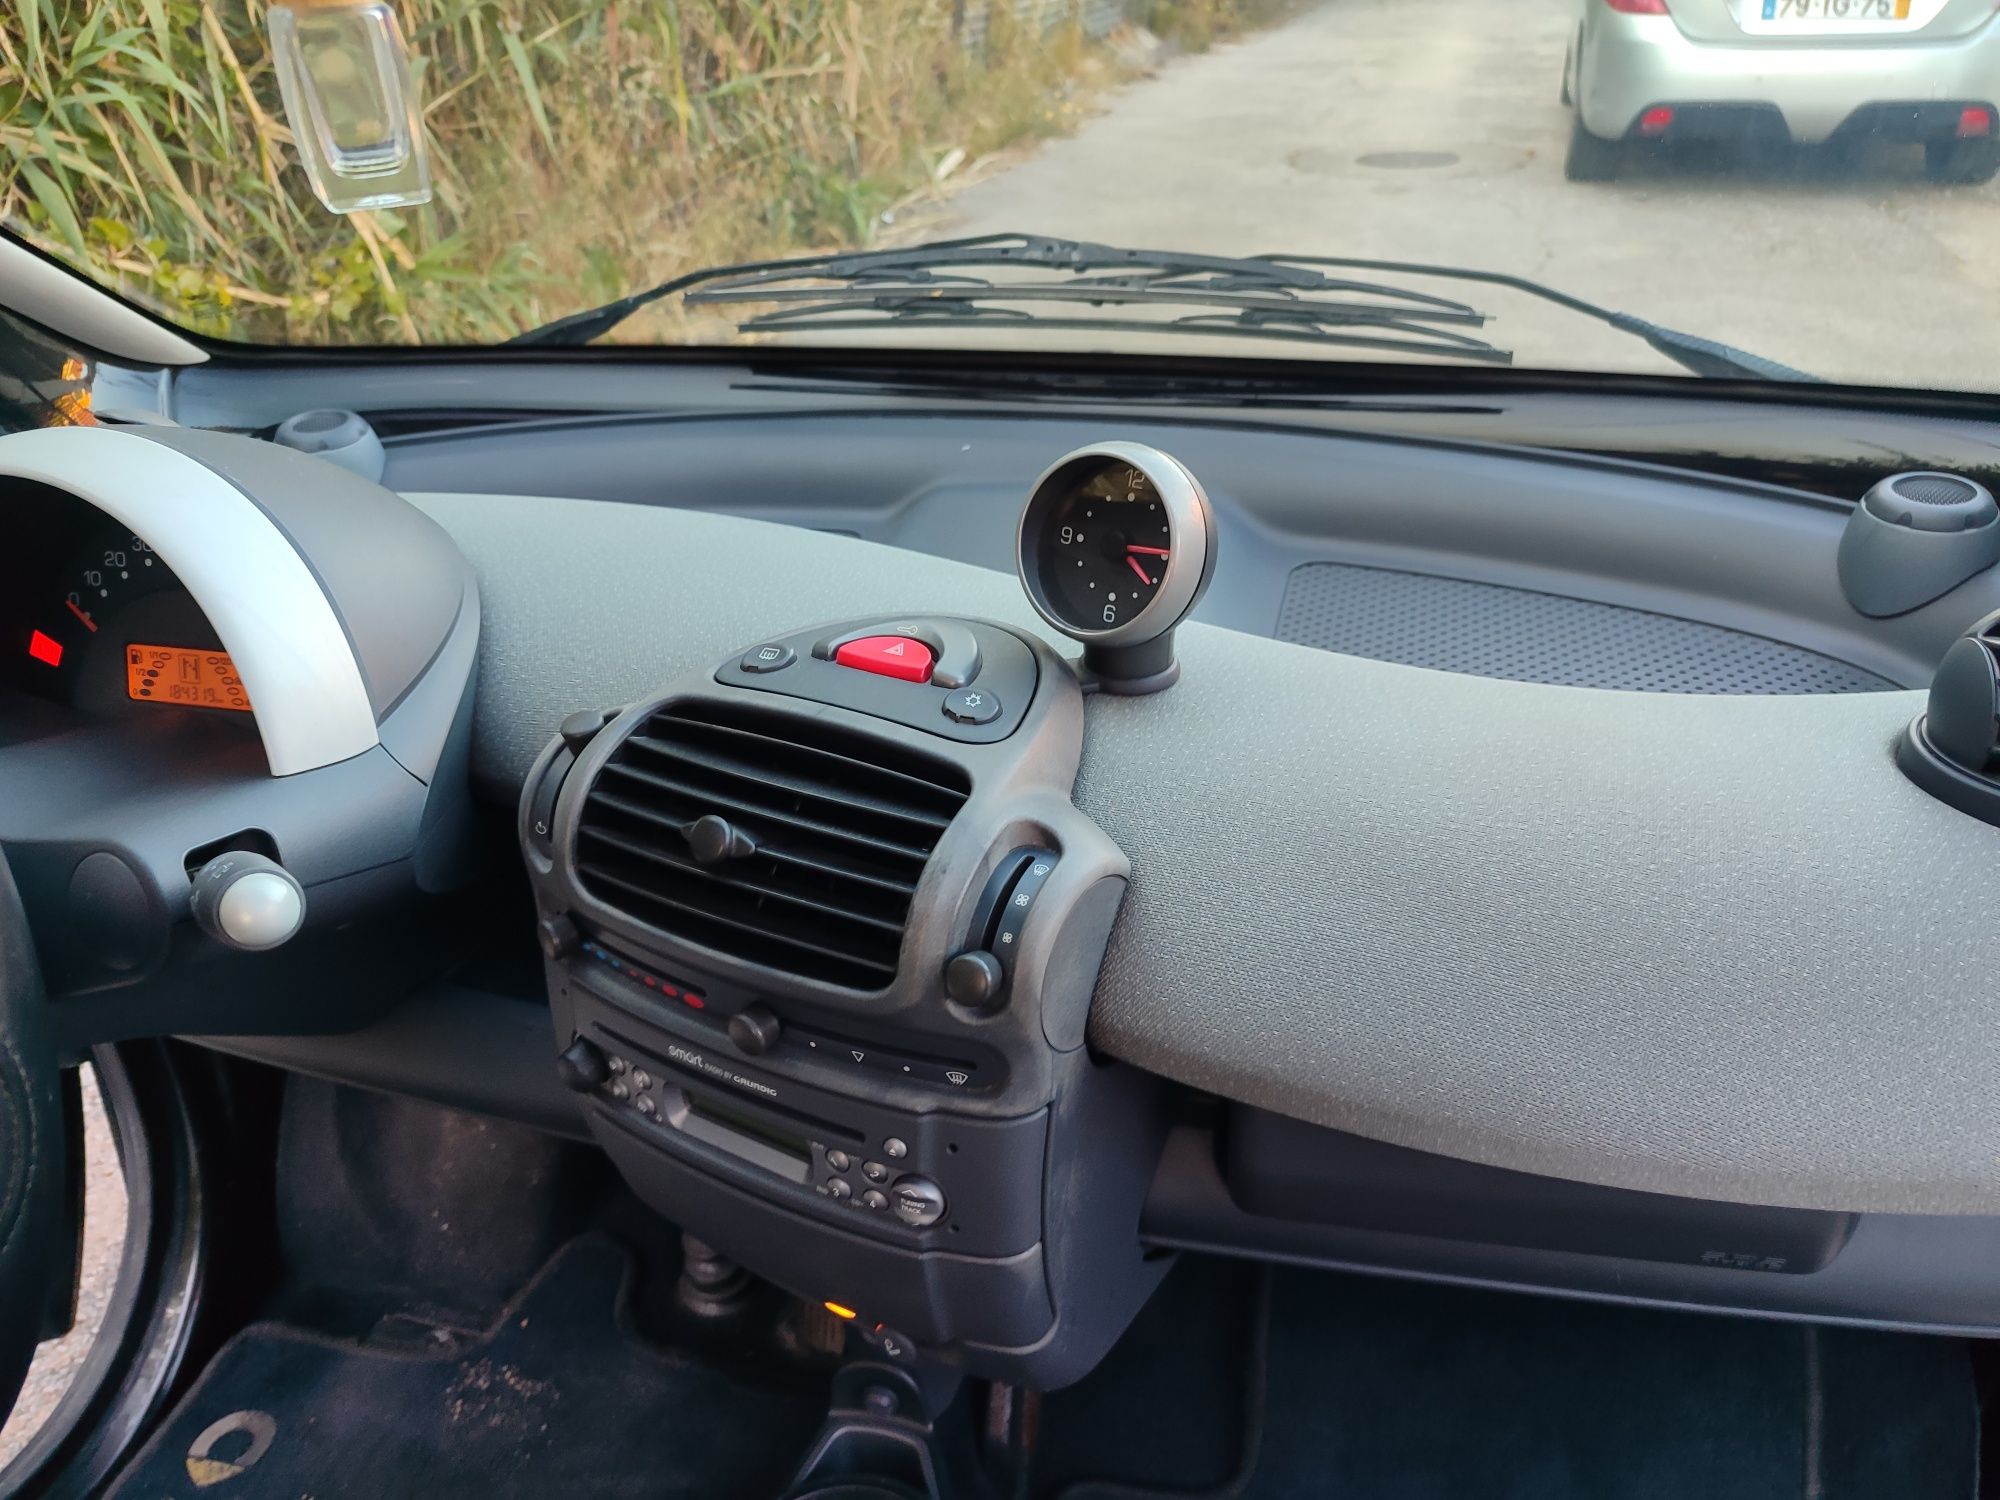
(973, 978)
(712, 839)
(755, 1029)
(581, 727)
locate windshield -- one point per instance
(1806, 180)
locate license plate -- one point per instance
(1816, 15)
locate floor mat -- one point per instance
(1176, 1403)
(1383, 1390)
(557, 1399)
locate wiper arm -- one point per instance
(1260, 289)
(1702, 356)
(1301, 323)
(921, 264)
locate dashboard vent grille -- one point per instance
(811, 844)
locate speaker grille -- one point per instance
(834, 830)
(1486, 630)
(1934, 489)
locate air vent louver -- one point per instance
(826, 835)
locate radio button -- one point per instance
(874, 1171)
(839, 1161)
(894, 1149)
(873, 1199)
(919, 1202)
(839, 1188)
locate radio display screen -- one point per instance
(793, 1146)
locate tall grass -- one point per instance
(579, 147)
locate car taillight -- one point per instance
(1643, 7)
(1974, 121)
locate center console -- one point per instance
(821, 929)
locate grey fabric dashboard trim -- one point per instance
(1713, 946)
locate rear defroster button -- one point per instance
(918, 1202)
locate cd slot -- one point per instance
(703, 1118)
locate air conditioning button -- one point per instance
(888, 656)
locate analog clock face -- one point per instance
(1103, 546)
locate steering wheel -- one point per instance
(33, 1145)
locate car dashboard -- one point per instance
(1506, 877)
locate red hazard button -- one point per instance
(889, 655)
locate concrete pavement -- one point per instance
(1299, 139)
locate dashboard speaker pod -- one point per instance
(1953, 750)
(1915, 537)
(338, 436)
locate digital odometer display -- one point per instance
(183, 675)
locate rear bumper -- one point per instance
(1806, 92)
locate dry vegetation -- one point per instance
(580, 147)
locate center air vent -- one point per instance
(783, 842)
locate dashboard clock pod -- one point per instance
(1116, 545)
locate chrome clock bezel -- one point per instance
(1190, 538)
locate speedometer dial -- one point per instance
(113, 570)
(91, 616)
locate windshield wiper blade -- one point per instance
(940, 273)
(1702, 356)
(921, 263)
(1296, 324)
(1108, 291)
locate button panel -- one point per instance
(829, 1154)
(903, 669)
(945, 1073)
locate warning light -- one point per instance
(45, 648)
(840, 1312)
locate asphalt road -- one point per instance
(1860, 271)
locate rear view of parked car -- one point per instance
(1806, 72)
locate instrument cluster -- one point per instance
(93, 618)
